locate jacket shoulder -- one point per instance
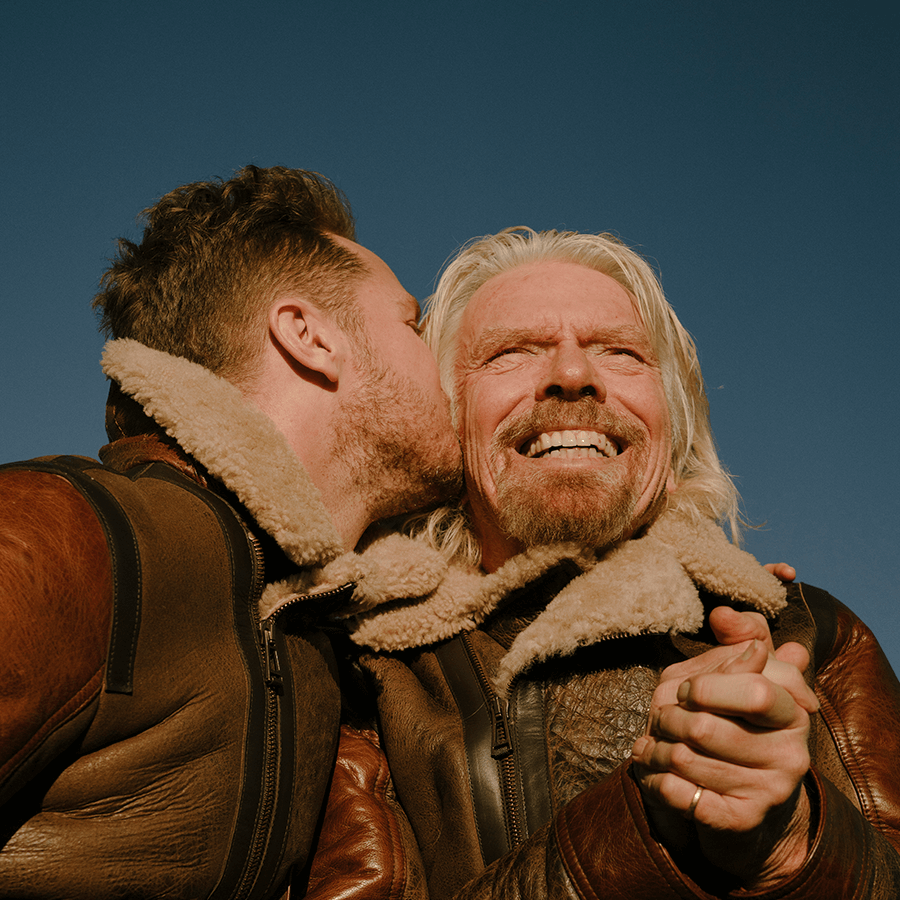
(55, 610)
(859, 697)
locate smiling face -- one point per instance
(561, 411)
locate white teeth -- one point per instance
(571, 444)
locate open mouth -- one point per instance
(569, 445)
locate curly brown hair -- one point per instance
(216, 254)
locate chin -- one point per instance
(596, 519)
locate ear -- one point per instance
(308, 336)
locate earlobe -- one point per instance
(307, 336)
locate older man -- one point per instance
(588, 700)
(163, 734)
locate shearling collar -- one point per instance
(234, 440)
(645, 585)
(406, 593)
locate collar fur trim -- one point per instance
(210, 419)
(407, 595)
(645, 585)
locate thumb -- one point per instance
(733, 627)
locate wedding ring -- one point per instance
(694, 801)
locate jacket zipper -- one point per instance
(264, 817)
(502, 748)
(274, 688)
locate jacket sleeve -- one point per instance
(601, 845)
(55, 607)
(859, 696)
(366, 848)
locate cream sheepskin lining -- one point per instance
(234, 440)
(645, 585)
(406, 593)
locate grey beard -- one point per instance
(593, 508)
(577, 507)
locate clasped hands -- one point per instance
(734, 722)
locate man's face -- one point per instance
(562, 414)
(395, 424)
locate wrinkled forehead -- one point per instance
(545, 302)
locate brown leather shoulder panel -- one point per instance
(860, 698)
(55, 606)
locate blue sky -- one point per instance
(750, 150)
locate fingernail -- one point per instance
(684, 691)
(749, 651)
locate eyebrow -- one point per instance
(493, 337)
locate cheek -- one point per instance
(476, 423)
(647, 401)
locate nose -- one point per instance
(570, 375)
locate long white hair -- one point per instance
(703, 487)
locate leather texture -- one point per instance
(353, 820)
(201, 782)
(598, 843)
(56, 581)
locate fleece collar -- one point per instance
(406, 593)
(645, 585)
(236, 442)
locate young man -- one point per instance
(271, 397)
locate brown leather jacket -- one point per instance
(537, 800)
(158, 739)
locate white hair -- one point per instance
(703, 487)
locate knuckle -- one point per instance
(701, 728)
(761, 694)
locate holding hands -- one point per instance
(722, 762)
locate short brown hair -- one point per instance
(216, 254)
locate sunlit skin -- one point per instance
(735, 719)
(365, 413)
(391, 320)
(395, 402)
(556, 330)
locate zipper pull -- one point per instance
(273, 668)
(501, 743)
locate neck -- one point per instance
(305, 416)
(496, 546)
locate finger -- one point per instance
(721, 752)
(661, 756)
(784, 668)
(740, 810)
(732, 627)
(745, 695)
(671, 791)
(765, 778)
(782, 571)
(793, 653)
(753, 659)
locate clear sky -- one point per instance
(749, 149)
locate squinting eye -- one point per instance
(505, 352)
(416, 327)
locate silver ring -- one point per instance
(694, 801)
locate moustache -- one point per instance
(569, 415)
